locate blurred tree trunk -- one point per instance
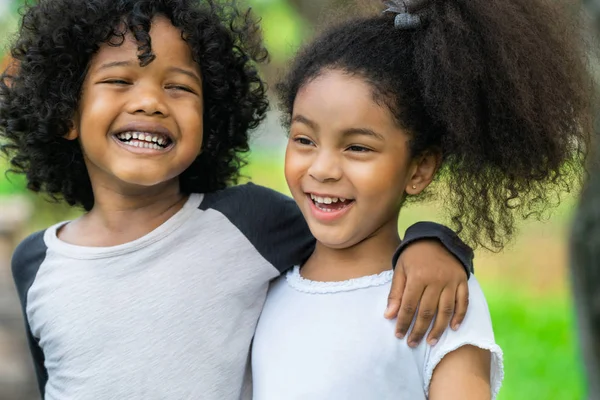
(585, 251)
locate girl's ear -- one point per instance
(424, 170)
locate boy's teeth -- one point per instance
(147, 141)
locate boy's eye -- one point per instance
(303, 141)
(359, 149)
(180, 87)
(116, 82)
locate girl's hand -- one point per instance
(427, 278)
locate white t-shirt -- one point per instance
(329, 340)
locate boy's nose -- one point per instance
(148, 101)
(325, 167)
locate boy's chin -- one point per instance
(145, 181)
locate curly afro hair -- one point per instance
(499, 87)
(39, 94)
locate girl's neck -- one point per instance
(119, 217)
(371, 256)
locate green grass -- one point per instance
(538, 338)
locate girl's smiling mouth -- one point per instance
(328, 208)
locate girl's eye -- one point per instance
(303, 141)
(359, 149)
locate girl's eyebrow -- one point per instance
(303, 120)
(347, 132)
(363, 131)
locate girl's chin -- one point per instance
(334, 242)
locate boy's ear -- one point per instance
(423, 169)
(73, 132)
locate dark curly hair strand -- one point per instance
(56, 40)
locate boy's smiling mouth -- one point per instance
(145, 140)
(144, 137)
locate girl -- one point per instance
(491, 97)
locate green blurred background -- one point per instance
(527, 285)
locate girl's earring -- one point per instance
(414, 186)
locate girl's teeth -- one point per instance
(135, 136)
(326, 200)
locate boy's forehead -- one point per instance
(166, 41)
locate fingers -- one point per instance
(462, 303)
(410, 301)
(395, 297)
(444, 313)
(427, 309)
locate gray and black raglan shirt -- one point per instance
(170, 315)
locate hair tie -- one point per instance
(406, 12)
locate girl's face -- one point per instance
(347, 161)
(141, 126)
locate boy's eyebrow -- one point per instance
(187, 72)
(114, 64)
(183, 71)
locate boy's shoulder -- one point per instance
(247, 198)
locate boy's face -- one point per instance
(141, 127)
(347, 161)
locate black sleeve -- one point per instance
(431, 230)
(271, 221)
(26, 261)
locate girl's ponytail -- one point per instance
(500, 87)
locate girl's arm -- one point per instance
(463, 374)
(465, 364)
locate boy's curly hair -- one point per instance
(499, 87)
(39, 94)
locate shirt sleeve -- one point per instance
(450, 240)
(476, 330)
(26, 261)
(271, 221)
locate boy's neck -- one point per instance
(369, 257)
(118, 217)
